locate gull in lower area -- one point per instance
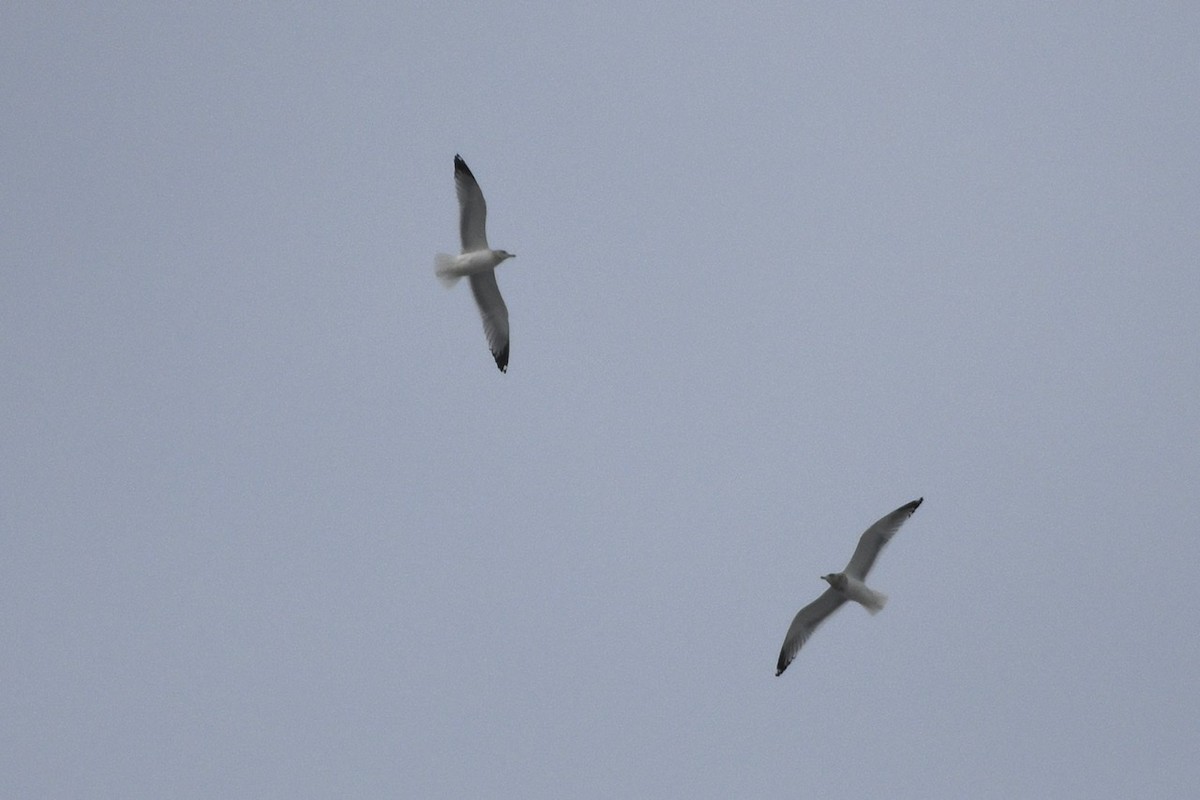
(846, 585)
(477, 263)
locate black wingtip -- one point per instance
(917, 503)
(460, 166)
(501, 359)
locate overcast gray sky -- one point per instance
(274, 525)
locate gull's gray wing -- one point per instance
(494, 313)
(806, 621)
(875, 537)
(472, 211)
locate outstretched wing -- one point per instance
(806, 621)
(494, 313)
(875, 537)
(472, 210)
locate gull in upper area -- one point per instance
(477, 262)
(846, 585)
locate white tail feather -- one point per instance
(443, 267)
(875, 601)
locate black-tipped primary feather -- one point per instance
(472, 209)
(876, 536)
(804, 623)
(494, 313)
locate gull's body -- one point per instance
(477, 262)
(846, 585)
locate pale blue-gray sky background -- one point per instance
(275, 526)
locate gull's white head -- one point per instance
(836, 579)
(503, 254)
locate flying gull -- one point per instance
(846, 585)
(477, 262)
